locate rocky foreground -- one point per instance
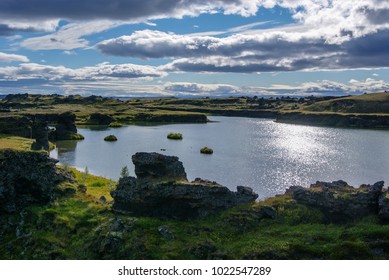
(48, 212)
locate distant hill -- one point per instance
(377, 103)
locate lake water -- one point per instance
(262, 154)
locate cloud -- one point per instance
(69, 36)
(10, 27)
(39, 73)
(324, 87)
(6, 57)
(122, 9)
(328, 35)
(201, 89)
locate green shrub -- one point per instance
(110, 138)
(124, 172)
(175, 136)
(115, 124)
(206, 150)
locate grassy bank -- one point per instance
(80, 225)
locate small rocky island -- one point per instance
(162, 189)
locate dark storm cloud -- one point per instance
(114, 9)
(6, 30)
(378, 16)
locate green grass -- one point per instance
(115, 125)
(79, 226)
(15, 143)
(373, 103)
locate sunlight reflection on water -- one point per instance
(259, 153)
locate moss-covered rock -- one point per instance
(206, 150)
(110, 138)
(175, 136)
(26, 178)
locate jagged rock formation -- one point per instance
(66, 128)
(159, 167)
(25, 178)
(154, 193)
(40, 133)
(338, 201)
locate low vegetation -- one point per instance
(110, 138)
(206, 150)
(180, 110)
(81, 225)
(14, 142)
(115, 125)
(175, 136)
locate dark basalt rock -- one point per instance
(66, 128)
(18, 126)
(26, 178)
(383, 205)
(150, 196)
(41, 135)
(158, 167)
(100, 119)
(338, 201)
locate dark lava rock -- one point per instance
(338, 201)
(26, 178)
(172, 199)
(40, 132)
(18, 126)
(165, 232)
(82, 188)
(158, 167)
(100, 119)
(102, 199)
(383, 205)
(66, 128)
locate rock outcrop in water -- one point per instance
(66, 128)
(158, 167)
(26, 178)
(340, 202)
(162, 190)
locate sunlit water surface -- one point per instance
(262, 154)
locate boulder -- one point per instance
(338, 201)
(158, 167)
(174, 196)
(26, 178)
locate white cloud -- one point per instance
(6, 57)
(324, 87)
(69, 37)
(9, 26)
(101, 72)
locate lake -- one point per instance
(259, 153)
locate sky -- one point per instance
(194, 47)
